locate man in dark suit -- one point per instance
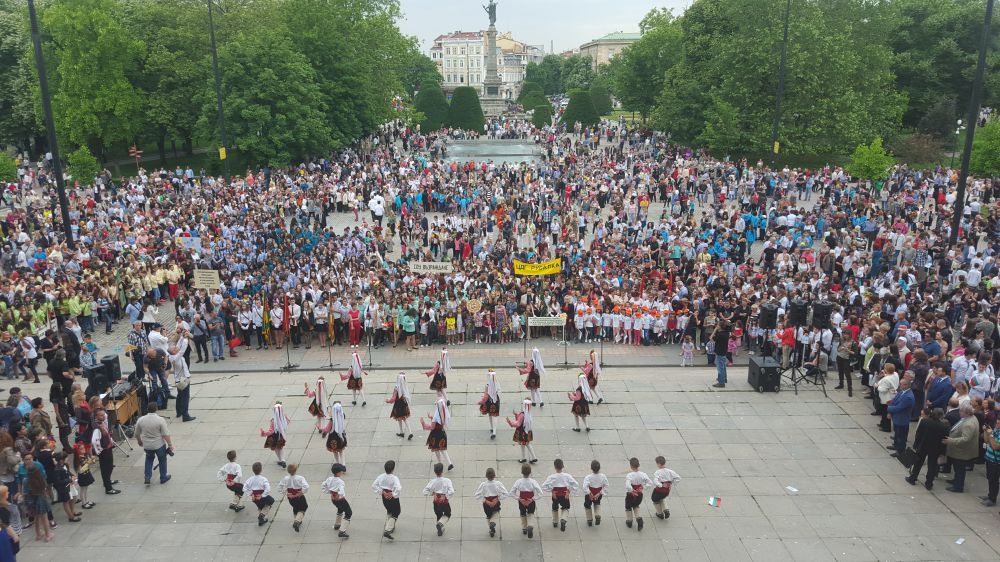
(899, 410)
(928, 446)
(939, 391)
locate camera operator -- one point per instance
(152, 435)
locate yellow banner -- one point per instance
(550, 267)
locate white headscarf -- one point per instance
(321, 394)
(355, 368)
(595, 362)
(402, 390)
(536, 358)
(584, 387)
(339, 423)
(441, 413)
(526, 407)
(492, 386)
(445, 362)
(279, 419)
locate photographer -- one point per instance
(152, 435)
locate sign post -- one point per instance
(137, 154)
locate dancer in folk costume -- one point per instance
(275, 434)
(523, 434)
(336, 432)
(388, 487)
(592, 368)
(231, 474)
(440, 489)
(581, 398)
(635, 483)
(353, 378)
(489, 492)
(439, 374)
(663, 481)
(400, 401)
(526, 490)
(489, 405)
(594, 486)
(437, 439)
(260, 492)
(294, 488)
(562, 485)
(337, 488)
(319, 405)
(534, 368)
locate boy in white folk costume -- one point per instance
(490, 492)
(561, 485)
(440, 489)
(336, 487)
(231, 474)
(294, 487)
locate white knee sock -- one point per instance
(532, 451)
(447, 459)
(493, 428)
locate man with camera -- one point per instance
(182, 376)
(152, 435)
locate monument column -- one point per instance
(490, 100)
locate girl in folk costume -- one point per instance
(437, 439)
(336, 440)
(592, 368)
(489, 405)
(400, 401)
(581, 398)
(523, 434)
(275, 434)
(439, 382)
(353, 378)
(534, 369)
(320, 402)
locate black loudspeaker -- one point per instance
(97, 379)
(764, 374)
(768, 317)
(822, 311)
(797, 312)
(112, 367)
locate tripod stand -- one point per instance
(288, 366)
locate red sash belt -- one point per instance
(560, 492)
(334, 496)
(440, 499)
(386, 494)
(293, 493)
(526, 498)
(665, 489)
(257, 494)
(596, 493)
(491, 501)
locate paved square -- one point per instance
(750, 449)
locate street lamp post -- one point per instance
(50, 127)
(958, 130)
(218, 94)
(781, 82)
(973, 116)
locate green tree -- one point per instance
(17, 112)
(274, 104)
(985, 159)
(465, 111)
(92, 54)
(431, 102)
(602, 99)
(637, 73)
(723, 131)
(533, 99)
(83, 166)
(420, 69)
(939, 121)
(548, 74)
(580, 109)
(529, 88)
(8, 169)
(542, 115)
(870, 162)
(577, 73)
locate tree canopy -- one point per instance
(431, 102)
(465, 111)
(580, 109)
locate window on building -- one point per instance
(461, 79)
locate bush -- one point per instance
(602, 99)
(465, 111)
(430, 102)
(580, 108)
(528, 88)
(83, 166)
(985, 159)
(918, 147)
(532, 100)
(542, 117)
(8, 169)
(870, 162)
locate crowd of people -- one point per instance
(657, 244)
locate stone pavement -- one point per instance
(801, 478)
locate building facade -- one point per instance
(461, 59)
(602, 50)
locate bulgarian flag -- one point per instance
(715, 501)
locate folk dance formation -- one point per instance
(560, 485)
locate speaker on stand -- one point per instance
(822, 311)
(767, 320)
(798, 310)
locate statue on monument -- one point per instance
(491, 9)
